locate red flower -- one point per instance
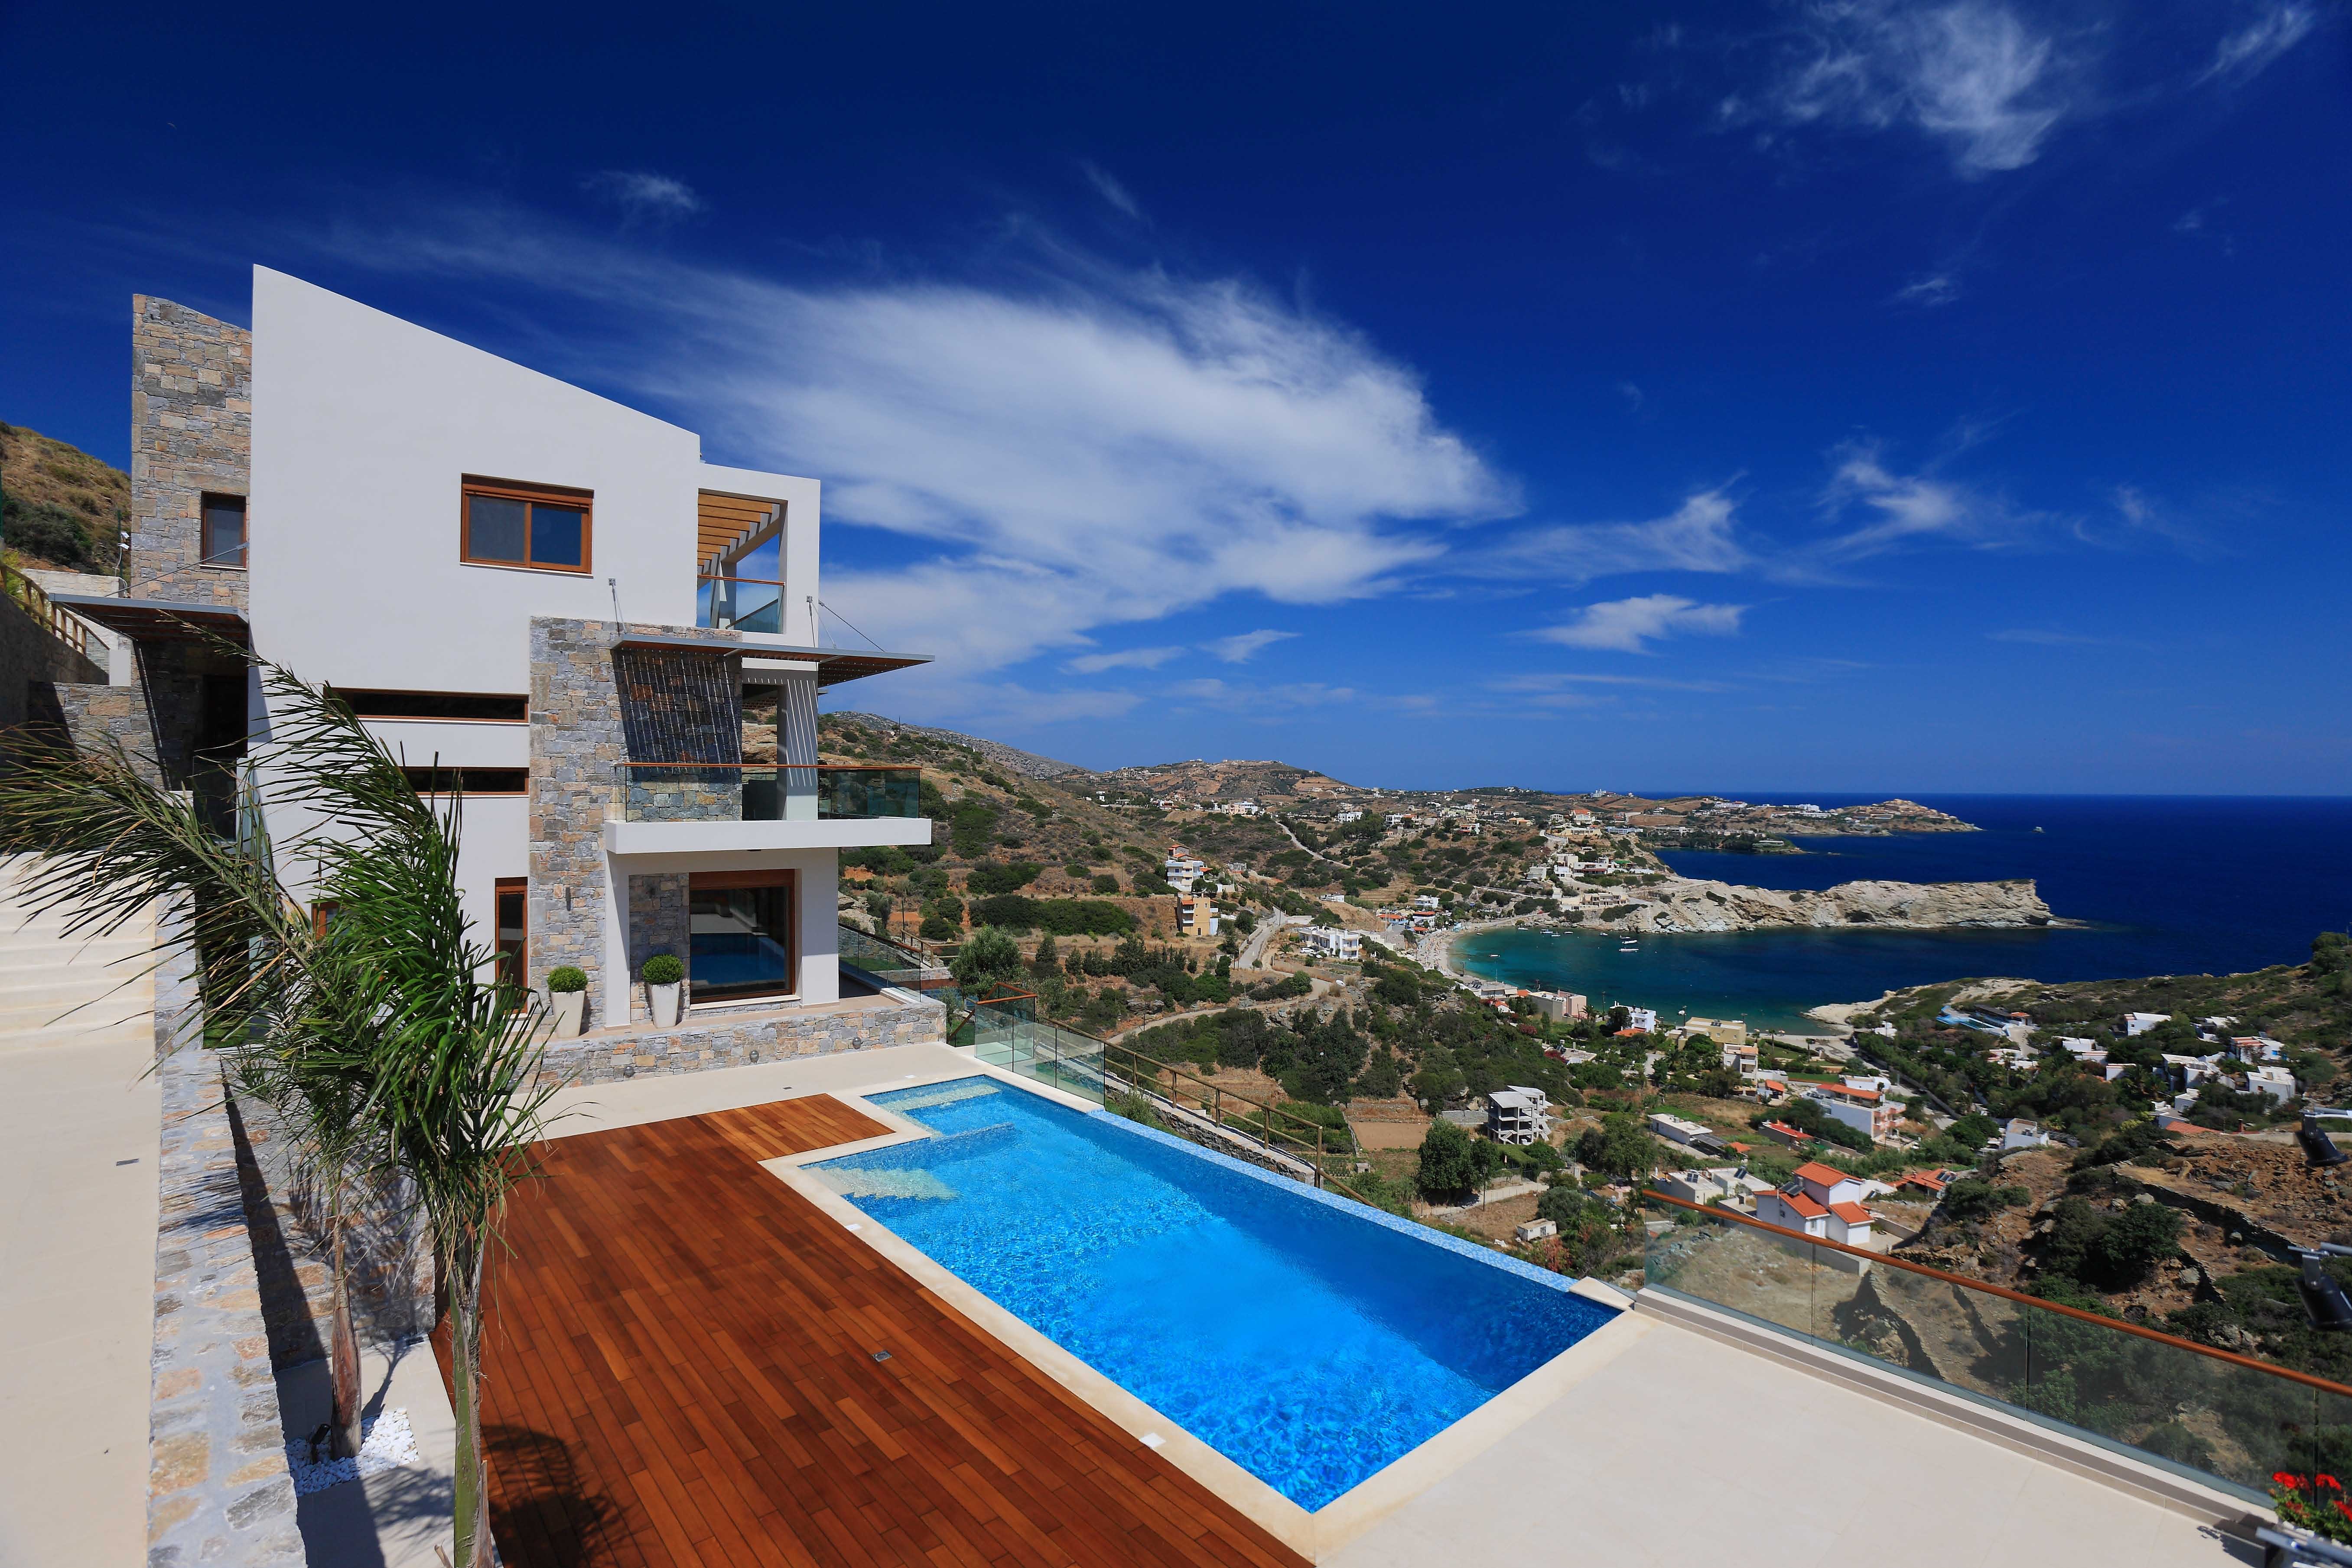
(2344, 1508)
(2331, 1483)
(2280, 1478)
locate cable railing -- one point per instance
(2192, 1408)
(767, 792)
(67, 629)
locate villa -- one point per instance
(796, 1280)
(451, 540)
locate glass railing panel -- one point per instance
(739, 604)
(862, 793)
(766, 792)
(2218, 1416)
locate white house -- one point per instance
(2141, 1022)
(1867, 1110)
(2019, 1133)
(527, 590)
(2274, 1081)
(1678, 1130)
(1643, 1018)
(1820, 1201)
(1329, 942)
(1518, 1114)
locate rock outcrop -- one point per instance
(1682, 905)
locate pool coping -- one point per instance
(1313, 1534)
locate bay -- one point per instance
(2165, 885)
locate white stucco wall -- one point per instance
(363, 428)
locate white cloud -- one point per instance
(1095, 447)
(2246, 52)
(1245, 647)
(1973, 74)
(644, 197)
(1629, 626)
(1127, 658)
(1111, 191)
(1261, 701)
(1697, 536)
(1933, 289)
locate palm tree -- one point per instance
(421, 1059)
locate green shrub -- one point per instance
(991, 877)
(1106, 883)
(566, 979)
(664, 969)
(1452, 1162)
(1968, 1202)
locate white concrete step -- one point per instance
(79, 1012)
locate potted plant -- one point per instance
(2315, 1519)
(664, 977)
(567, 992)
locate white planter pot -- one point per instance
(570, 1012)
(668, 1001)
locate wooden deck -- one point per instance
(681, 1369)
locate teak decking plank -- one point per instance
(692, 1341)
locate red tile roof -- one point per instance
(1827, 1176)
(1921, 1179)
(1804, 1206)
(1853, 1213)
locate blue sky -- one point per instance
(1806, 397)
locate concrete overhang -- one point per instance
(658, 838)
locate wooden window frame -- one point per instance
(204, 556)
(321, 913)
(499, 888)
(564, 496)
(721, 881)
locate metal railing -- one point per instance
(767, 792)
(741, 604)
(2189, 1407)
(66, 628)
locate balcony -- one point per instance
(739, 604)
(698, 807)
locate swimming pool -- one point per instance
(1307, 1342)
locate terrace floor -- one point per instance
(681, 1368)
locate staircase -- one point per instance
(59, 990)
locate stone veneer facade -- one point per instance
(726, 1041)
(219, 1490)
(191, 431)
(581, 724)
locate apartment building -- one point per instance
(527, 592)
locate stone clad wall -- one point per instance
(657, 923)
(580, 729)
(31, 661)
(219, 1490)
(191, 431)
(711, 1042)
(118, 713)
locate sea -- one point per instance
(2161, 885)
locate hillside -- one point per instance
(996, 753)
(63, 506)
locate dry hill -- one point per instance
(63, 506)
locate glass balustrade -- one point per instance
(2219, 1416)
(766, 792)
(739, 604)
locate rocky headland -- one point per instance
(1684, 904)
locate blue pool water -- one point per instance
(1309, 1345)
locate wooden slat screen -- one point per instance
(720, 520)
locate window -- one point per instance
(471, 781)
(462, 707)
(512, 918)
(741, 940)
(323, 915)
(224, 530)
(504, 523)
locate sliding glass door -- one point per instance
(742, 933)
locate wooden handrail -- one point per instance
(36, 603)
(822, 767)
(2006, 1294)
